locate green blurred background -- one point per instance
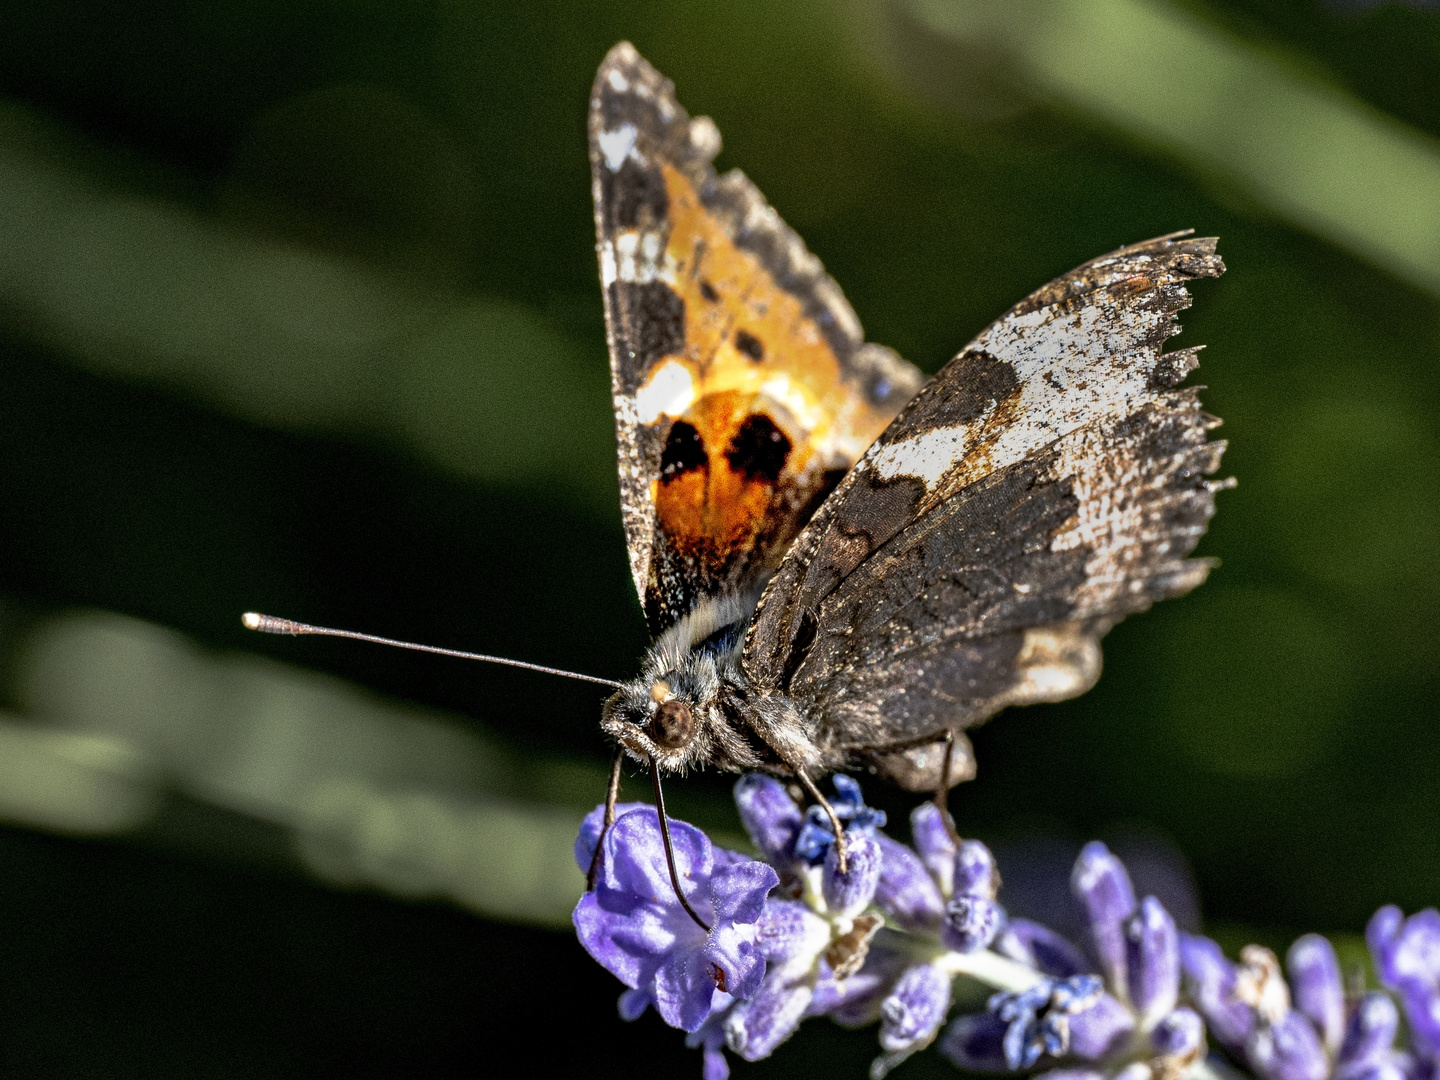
(299, 313)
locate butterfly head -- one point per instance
(664, 716)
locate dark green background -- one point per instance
(1278, 725)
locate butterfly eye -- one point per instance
(672, 725)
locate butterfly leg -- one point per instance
(842, 863)
(942, 792)
(946, 736)
(612, 796)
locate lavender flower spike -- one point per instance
(1248, 1008)
(635, 927)
(1407, 959)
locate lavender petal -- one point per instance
(590, 829)
(732, 960)
(684, 989)
(629, 945)
(635, 863)
(738, 891)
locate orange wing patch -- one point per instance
(765, 422)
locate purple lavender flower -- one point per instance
(1406, 953)
(826, 931)
(634, 926)
(1107, 1009)
(1112, 1022)
(943, 894)
(1310, 1034)
(817, 836)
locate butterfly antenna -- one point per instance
(669, 850)
(269, 624)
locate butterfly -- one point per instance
(844, 565)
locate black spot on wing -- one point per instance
(708, 292)
(652, 317)
(750, 345)
(684, 450)
(759, 449)
(635, 196)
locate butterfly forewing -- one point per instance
(743, 387)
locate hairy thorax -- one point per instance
(692, 704)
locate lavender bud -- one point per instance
(915, 1009)
(935, 843)
(1317, 988)
(850, 892)
(975, 873)
(769, 815)
(976, 1042)
(1153, 961)
(1041, 948)
(971, 922)
(756, 1027)
(1288, 1049)
(633, 1003)
(1180, 1035)
(1100, 1028)
(906, 892)
(1371, 1031)
(1102, 888)
(1211, 981)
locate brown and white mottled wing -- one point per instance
(1047, 482)
(743, 386)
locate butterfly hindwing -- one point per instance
(743, 387)
(1047, 482)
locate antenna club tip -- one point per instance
(269, 624)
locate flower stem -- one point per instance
(990, 968)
